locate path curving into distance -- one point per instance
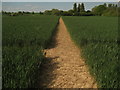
(64, 67)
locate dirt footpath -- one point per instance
(64, 67)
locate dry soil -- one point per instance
(64, 67)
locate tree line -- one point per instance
(106, 10)
(78, 10)
(19, 13)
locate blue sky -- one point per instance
(60, 0)
(42, 6)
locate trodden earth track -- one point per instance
(64, 66)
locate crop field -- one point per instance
(98, 36)
(23, 39)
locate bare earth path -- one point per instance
(64, 67)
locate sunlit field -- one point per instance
(98, 37)
(24, 38)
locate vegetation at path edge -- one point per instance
(98, 38)
(23, 39)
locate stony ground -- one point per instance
(64, 67)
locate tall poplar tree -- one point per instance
(79, 7)
(75, 7)
(82, 7)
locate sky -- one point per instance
(59, 0)
(42, 6)
(8, 5)
(0, 6)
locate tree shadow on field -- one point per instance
(46, 72)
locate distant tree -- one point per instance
(66, 13)
(71, 12)
(55, 12)
(109, 5)
(40, 12)
(60, 12)
(113, 5)
(98, 10)
(75, 7)
(105, 4)
(89, 13)
(3, 12)
(110, 12)
(23, 12)
(27, 12)
(20, 13)
(82, 9)
(48, 12)
(116, 5)
(14, 14)
(79, 7)
(33, 12)
(76, 14)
